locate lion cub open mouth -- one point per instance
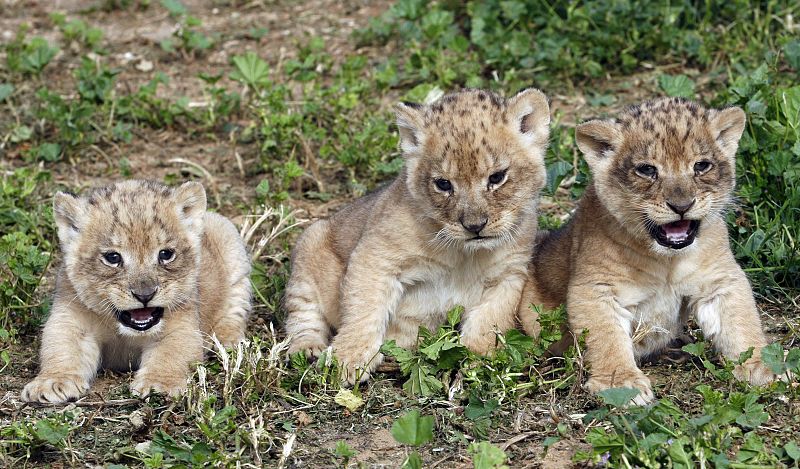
(675, 235)
(141, 319)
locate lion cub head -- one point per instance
(475, 163)
(664, 167)
(132, 249)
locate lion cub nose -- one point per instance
(144, 294)
(474, 226)
(680, 207)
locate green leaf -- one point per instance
(49, 152)
(680, 459)
(477, 408)
(421, 382)
(251, 70)
(677, 85)
(487, 456)
(555, 174)
(413, 461)
(5, 90)
(412, 429)
(175, 7)
(696, 349)
(343, 450)
(347, 398)
(790, 105)
(618, 397)
(792, 450)
(50, 431)
(792, 52)
(772, 356)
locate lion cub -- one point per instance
(455, 228)
(648, 244)
(147, 274)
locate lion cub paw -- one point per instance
(636, 381)
(754, 371)
(480, 344)
(311, 348)
(144, 383)
(55, 389)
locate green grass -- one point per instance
(314, 128)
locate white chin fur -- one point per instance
(481, 244)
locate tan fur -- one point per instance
(204, 289)
(630, 293)
(401, 257)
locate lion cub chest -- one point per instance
(652, 305)
(433, 287)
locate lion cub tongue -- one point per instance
(142, 314)
(677, 231)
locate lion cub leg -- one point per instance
(729, 318)
(312, 293)
(371, 293)
(182, 342)
(232, 322)
(609, 346)
(70, 357)
(496, 312)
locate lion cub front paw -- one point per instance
(754, 371)
(144, 383)
(310, 347)
(635, 380)
(55, 389)
(482, 344)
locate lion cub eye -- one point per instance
(701, 167)
(497, 178)
(443, 185)
(165, 256)
(647, 171)
(112, 258)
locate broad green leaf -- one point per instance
(175, 7)
(478, 408)
(49, 151)
(677, 85)
(51, 432)
(413, 461)
(251, 70)
(487, 456)
(618, 397)
(792, 450)
(772, 356)
(555, 174)
(421, 382)
(790, 105)
(5, 90)
(792, 52)
(413, 429)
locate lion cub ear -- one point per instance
(410, 122)
(191, 200)
(727, 126)
(598, 140)
(70, 214)
(529, 113)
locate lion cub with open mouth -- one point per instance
(455, 228)
(648, 244)
(148, 273)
